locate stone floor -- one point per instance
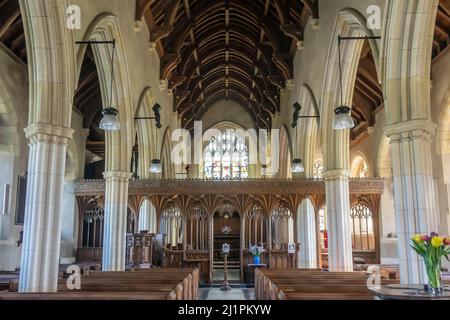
(238, 292)
(235, 294)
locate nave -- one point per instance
(158, 149)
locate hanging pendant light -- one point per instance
(110, 120)
(156, 166)
(343, 114)
(343, 119)
(297, 166)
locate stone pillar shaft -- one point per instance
(340, 253)
(145, 217)
(115, 225)
(414, 192)
(307, 236)
(43, 210)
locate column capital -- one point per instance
(138, 26)
(315, 24)
(336, 174)
(290, 84)
(163, 84)
(413, 129)
(117, 175)
(48, 132)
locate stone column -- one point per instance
(415, 205)
(43, 211)
(340, 253)
(145, 217)
(306, 224)
(446, 169)
(115, 225)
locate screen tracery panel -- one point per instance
(197, 229)
(93, 227)
(171, 226)
(255, 231)
(282, 221)
(363, 233)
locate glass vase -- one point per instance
(434, 273)
(256, 260)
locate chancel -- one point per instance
(281, 149)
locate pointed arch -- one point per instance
(307, 128)
(166, 155)
(336, 143)
(349, 23)
(360, 166)
(406, 56)
(51, 62)
(147, 132)
(105, 27)
(285, 155)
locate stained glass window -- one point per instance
(226, 157)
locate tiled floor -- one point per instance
(234, 294)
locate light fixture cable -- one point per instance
(340, 71)
(112, 72)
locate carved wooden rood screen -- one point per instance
(193, 217)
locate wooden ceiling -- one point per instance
(441, 39)
(216, 49)
(11, 28)
(367, 96)
(88, 101)
(227, 49)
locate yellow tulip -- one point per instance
(437, 242)
(417, 238)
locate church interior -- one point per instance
(224, 149)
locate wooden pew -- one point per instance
(183, 281)
(6, 279)
(312, 285)
(187, 278)
(387, 271)
(270, 285)
(151, 284)
(313, 282)
(89, 296)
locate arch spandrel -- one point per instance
(350, 23)
(51, 63)
(105, 27)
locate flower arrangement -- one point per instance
(432, 248)
(257, 251)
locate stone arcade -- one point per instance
(98, 97)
